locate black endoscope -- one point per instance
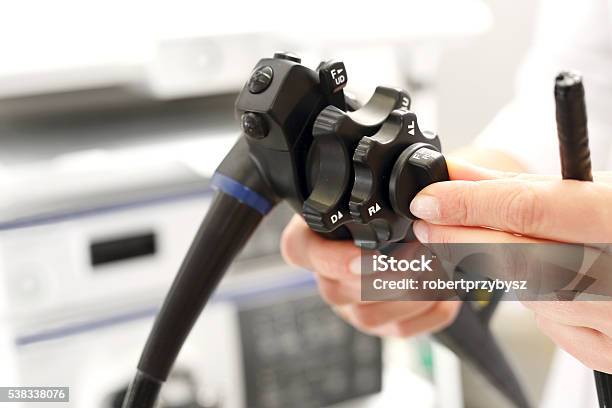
(349, 170)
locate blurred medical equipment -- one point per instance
(86, 259)
(168, 51)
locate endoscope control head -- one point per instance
(347, 171)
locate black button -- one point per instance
(254, 125)
(332, 76)
(417, 167)
(288, 56)
(260, 79)
(433, 165)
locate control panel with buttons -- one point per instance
(302, 355)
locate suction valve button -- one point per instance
(260, 79)
(254, 125)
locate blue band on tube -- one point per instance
(241, 193)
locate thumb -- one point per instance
(459, 169)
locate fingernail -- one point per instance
(355, 266)
(425, 207)
(421, 231)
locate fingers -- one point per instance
(389, 318)
(594, 315)
(342, 289)
(459, 169)
(446, 234)
(332, 259)
(438, 318)
(581, 328)
(338, 293)
(568, 211)
(400, 319)
(589, 346)
(510, 204)
(374, 316)
(462, 170)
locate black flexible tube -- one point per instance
(143, 392)
(227, 226)
(572, 127)
(576, 165)
(603, 383)
(473, 342)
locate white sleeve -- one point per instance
(570, 34)
(567, 373)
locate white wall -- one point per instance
(476, 79)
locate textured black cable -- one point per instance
(572, 127)
(576, 165)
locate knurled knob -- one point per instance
(373, 159)
(336, 134)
